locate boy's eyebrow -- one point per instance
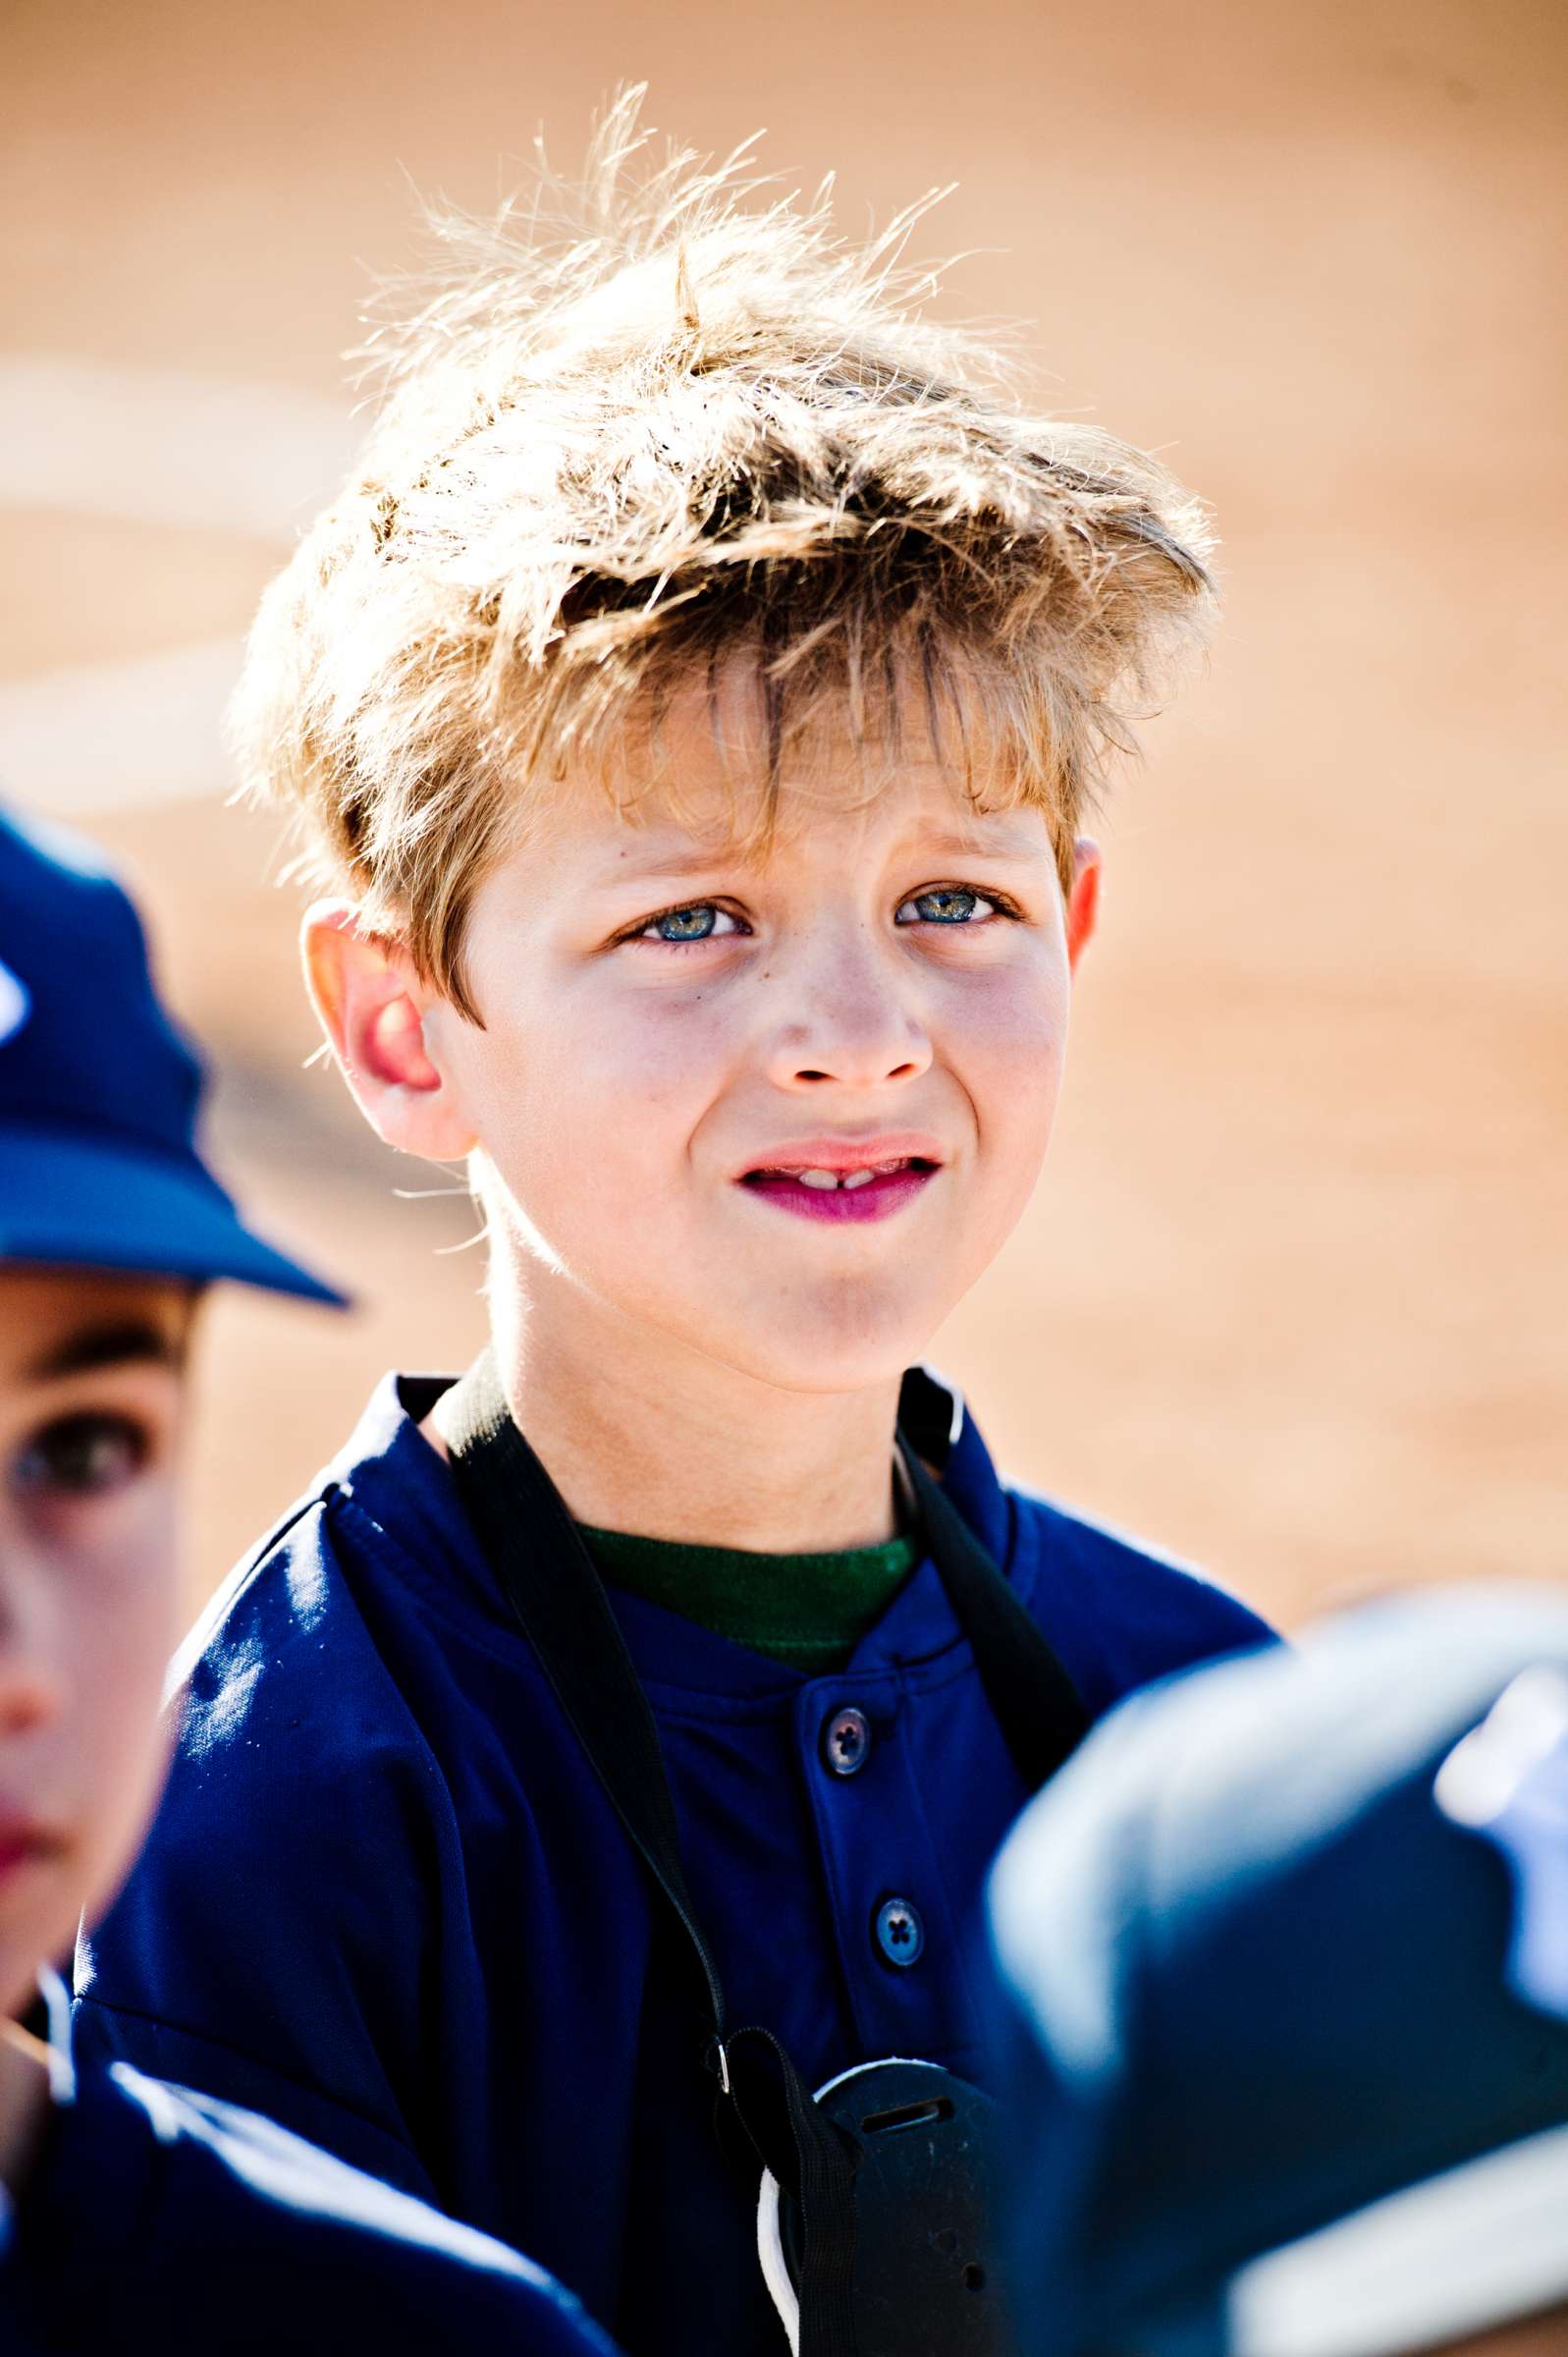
(702, 858)
(117, 1342)
(959, 846)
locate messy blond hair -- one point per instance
(650, 429)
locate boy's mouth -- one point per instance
(847, 1180)
(861, 1189)
(23, 1842)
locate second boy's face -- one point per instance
(91, 1410)
(780, 1110)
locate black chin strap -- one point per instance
(554, 1588)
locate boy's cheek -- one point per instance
(127, 1622)
(124, 1740)
(1013, 1064)
(101, 1771)
(579, 1103)
(128, 1555)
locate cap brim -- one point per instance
(1478, 2247)
(87, 1202)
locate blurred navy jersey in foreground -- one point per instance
(162, 2221)
(1284, 2008)
(387, 1902)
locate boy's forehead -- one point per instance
(695, 777)
(58, 1322)
(691, 825)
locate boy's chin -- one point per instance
(826, 1354)
(18, 1987)
(23, 1956)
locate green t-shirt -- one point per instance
(807, 1609)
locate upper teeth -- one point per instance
(843, 1179)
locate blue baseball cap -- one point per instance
(99, 1093)
(1284, 2023)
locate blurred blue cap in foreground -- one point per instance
(98, 1092)
(1286, 2025)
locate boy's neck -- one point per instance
(641, 1435)
(24, 2102)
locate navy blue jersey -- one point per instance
(160, 2220)
(387, 1902)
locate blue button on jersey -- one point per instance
(387, 1902)
(161, 2221)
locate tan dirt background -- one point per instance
(1292, 1298)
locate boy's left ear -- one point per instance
(1083, 902)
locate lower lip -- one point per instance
(18, 1850)
(878, 1199)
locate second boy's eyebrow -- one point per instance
(122, 1341)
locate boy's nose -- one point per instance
(28, 1689)
(844, 1018)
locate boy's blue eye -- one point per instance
(700, 922)
(947, 904)
(80, 1456)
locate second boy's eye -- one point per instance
(703, 920)
(80, 1456)
(949, 904)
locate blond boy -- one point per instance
(695, 703)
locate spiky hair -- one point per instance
(662, 426)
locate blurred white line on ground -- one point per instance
(108, 736)
(158, 446)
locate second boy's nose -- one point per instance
(29, 1689)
